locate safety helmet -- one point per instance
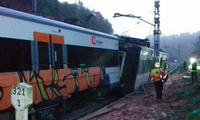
(157, 64)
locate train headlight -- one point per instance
(192, 60)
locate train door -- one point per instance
(50, 50)
(56, 51)
(48, 59)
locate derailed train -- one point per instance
(59, 59)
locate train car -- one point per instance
(55, 58)
(137, 65)
(145, 66)
(164, 57)
(58, 59)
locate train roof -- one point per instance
(138, 41)
(46, 21)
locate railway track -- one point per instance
(89, 105)
(173, 66)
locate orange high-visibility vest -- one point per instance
(155, 74)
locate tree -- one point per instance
(79, 12)
(46, 12)
(61, 11)
(197, 45)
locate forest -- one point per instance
(65, 12)
(180, 46)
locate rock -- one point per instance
(163, 114)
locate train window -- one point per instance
(91, 57)
(43, 55)
(58, 56)
(15, 55)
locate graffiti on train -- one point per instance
(52, 85)
(1, 93)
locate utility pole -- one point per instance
(179, 53)
(34, 7)
(157, 31)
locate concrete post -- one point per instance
(21, 99)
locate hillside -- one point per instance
(65, 12)
(171, 44)
(17, 5)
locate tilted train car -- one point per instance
(137, 64)
(59, 59)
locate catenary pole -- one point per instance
(34, 7)
(156, 25)
(157, 31)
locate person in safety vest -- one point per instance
(155, 75)
(193, 68)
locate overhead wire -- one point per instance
(121, 24)
(131, 27)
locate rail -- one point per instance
(172, 67)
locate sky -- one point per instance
(176, 16)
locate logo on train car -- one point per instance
(95, 41)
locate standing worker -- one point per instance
(185, 65)
(155, 75)
(193, 68)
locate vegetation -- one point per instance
(191, 98)
(62, 11)
(197, 45)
